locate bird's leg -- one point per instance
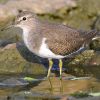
(60, 67)
(50, 67)
(49, 71)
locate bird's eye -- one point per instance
(24, 18)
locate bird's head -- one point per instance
(24, 19)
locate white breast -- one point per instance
(25, 38)
(45, 52)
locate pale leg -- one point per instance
(60, 67)
(49, 71)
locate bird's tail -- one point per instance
(98, 34)
(92, 34)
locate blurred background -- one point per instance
(17, 62)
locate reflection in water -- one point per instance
(41, 89)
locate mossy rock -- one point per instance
(12, 62)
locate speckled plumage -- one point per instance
(64, 40)
(60, 39)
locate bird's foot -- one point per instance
(51, 87)
(60, 77)
(61, 84)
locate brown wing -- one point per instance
(62, 39)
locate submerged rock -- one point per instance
(12, 82)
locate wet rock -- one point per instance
(83, 64)
(95, 45)
(34, 96)
(11, 61)
(95, 60)
(81, 58)
(3, 43)
(85, 13)
(12, 82)
(10, 36)
(84, 98)
(93, 65)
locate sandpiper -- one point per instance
(51, 40)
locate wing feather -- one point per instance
(62, 39)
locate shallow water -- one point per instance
(16, 88)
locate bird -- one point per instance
(52, 40)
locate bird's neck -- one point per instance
(27, 37)
(31, 39)
(26, 32)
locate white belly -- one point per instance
(45, 52)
